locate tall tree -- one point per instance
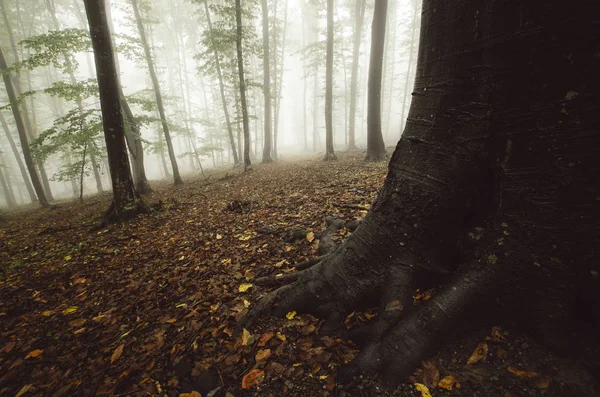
(359, 17)
(411, 51)
(329, 152)
(278, 78)
(9, 194)
(240, 60)
(12, 97)
(266, 158)
(473, 193)
(126, 201)
(157, 92)
(20, 164)
(236, 160)
(375, 144)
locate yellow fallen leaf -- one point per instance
(219, 237)
(47, 313)
(423, 389)
(117, 353)
(24, 390)
(322, 377)
(247, 338)
(69, 310)
(253, 378)
(245, 287)
(280, 263)
(263, 355)
(522, 373)
(77, 323)
(480, 352)
(281, 336)
(310, 236)
(290, 315)
(246, 303)
(448, 383)
(68, 257)
(171, 321)
(191, 394)
(33, 354)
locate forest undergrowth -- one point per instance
(151, 306)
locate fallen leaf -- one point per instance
(448, 383)
(8, 348)
(393, 306)
(117, 353)
(80, 281)
(69, 310)
(290, 315)
(423, 389)
(281, 336)
(68, 257)
(522, 373)
(219, 237)
(263, 355)
(310, 236)
(265, 338)
(253, 378)
(280, 263)
(24, 390)
(247, 338)
(431, 375)
(47, 313)
(33, 354)
(77, 323)
(245, 287)
(540, 382)
(480, 352)
(191, 394)
(171, 321)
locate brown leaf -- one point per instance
(191, 394)
(394, 306)
(33, 354)
(263, 355)
(8, 348)
(77, 323)
(265, 338)
(24, 390)
(522, 373)
(448, 383)
(480, 352)
(253, 378)
(117, 353)
(431, 375)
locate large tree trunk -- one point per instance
(375, 144)
(126, 201)
(266, 158)
(12, 97)
(159, 101)
(329, 152)
(240, 61)
(492, 190)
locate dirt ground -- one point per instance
(149, 307)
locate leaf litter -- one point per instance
(149, 307)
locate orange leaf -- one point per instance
(265, 338)
(480, 352)
(33, 354)
(521, 373)
(253, 378)
(117, 353)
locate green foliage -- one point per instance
(73, 92)
(56, 48)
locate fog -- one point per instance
(51, 69)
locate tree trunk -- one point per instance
(240, 61)
(394, 30)
(159, 101)
(375, 143)
(236, 160)
(278, 87)
(492, 191)
(133, 135)
(410, 61)
(329, 152)
(9, 194)
(305, 79)
(126, 201)
(266, 158)
(39, 190)
(15, 151)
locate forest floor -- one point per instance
(149, 307)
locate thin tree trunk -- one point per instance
(9, 193)
(305, 79)
(126, 201)
(410, 62)
(278, 87)
(329, 152)
(22, 133)
(375, 143)
(394, 27)
(240, 59)
(266, 157)
(159, 101)
(22, 168)
(82, 173)
(236, 160)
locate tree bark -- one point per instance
(240, 61)
(329, 152)
(410, 61)
(15, 151)
(375, 143)
(156, 85)
(9, 194)
(492, 191)
(278, 87)
(12, 97)
(236, 160)
(266, 157)
(126, 202)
